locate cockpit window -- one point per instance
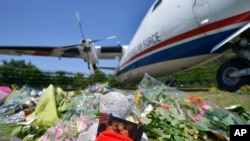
(157, 4)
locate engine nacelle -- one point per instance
(89, 54)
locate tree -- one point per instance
(79, 82)
(19, 73)
(63, 79)
(100, 77)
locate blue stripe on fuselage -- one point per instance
(196, 47)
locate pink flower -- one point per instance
(82, 123)
(45, 137)
(59, 133)
(206, 106)
(59, 130)
(197, 118)
(202, 112)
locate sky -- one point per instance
(53, 23)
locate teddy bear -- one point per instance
(115, 103)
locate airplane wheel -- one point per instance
(171, 83)
(228, 83)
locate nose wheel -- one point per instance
(228, 83)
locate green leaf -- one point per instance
(165, 114)
(206, 121)
(25, 129)
(163, 138)
(146, 120)
(182, 126)
(16, 131)
(216, 118)
(158, 132)
(200, 126)
(221, 113)
(167, 136)
(178, 138)
(229, 120)
(29, 138)
(174, 122)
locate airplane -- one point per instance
(173, 36)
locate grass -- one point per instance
(224, 99)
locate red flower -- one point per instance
(165, 107)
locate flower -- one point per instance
(201, 111)
(45, 137)
(206, 106)
(82, 123)
(147, 110)
(195, 99)
(165, 107)
(197, 117)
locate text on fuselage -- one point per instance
(148, 42)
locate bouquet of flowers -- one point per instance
(67, 131)
(169, 114)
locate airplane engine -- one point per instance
(89, 54)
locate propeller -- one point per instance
(107, 38)
(85, 48)
(79, 22)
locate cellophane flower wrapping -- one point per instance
(79, 118)
(170, 114)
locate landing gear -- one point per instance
(227, 82)
(171, 82)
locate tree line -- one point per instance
(19, 73)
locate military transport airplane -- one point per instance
(174, 36)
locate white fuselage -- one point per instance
(177, 35)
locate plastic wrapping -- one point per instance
(156, 93)
(24, 100)
(180, 116)
(153, 89)
(15, 118)
(167, 113)
(78, 118)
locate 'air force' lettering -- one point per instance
(148, 42)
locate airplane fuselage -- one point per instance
(178, 35)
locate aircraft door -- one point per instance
(202, 12)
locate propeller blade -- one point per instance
(79, 22)
(107, 38)
(61, 49)
(111, 37)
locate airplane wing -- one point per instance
(235, 34)
(39, 51)
(103, 52)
